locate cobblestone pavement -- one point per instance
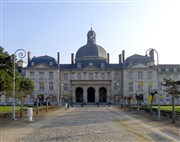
(91, 124)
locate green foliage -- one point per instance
(6, 71)
(26, 86)
(168, 108)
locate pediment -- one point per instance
(92, 68)
(140, 65)
(40, 66)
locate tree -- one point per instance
(173, 88)
(6, 72)
(152, 92)
(26, 87)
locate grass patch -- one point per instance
(168, 108)
(10, 108)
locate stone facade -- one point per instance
(90, 78)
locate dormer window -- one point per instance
(79, 65)
(91, 64)
(32, 63)
(51, 63)
(102, 65)
(175, 69)
(167, 69)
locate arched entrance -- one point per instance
(79, 94)
(91, 95)
(102, 94)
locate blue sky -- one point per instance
(46, 27)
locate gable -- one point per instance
(40, 66)
(140, 65)
(92, 68)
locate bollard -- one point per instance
(30, 114)
(66, 106)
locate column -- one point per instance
(109, 95)
(85, 93)
(73, 94)
(97, 94)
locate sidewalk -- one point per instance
(11, 130)
(164, 126)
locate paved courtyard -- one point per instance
(90, 124)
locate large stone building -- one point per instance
(91, 78)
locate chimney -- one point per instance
(72, 58)
(108, 58)
(58, 57)
(123, 55)
(120, 61)
(29, 56)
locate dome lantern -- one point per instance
(91, 51)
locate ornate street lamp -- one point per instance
(61, 93)
(151, 64)
(21, 55)
(118, 91)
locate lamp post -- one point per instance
(118, 91)
(61, 94)
(21, 54)
(58, 88)
(157, 70)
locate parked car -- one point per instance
(11, 103)
(3, 104)
(35, 103)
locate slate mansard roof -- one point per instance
(91, 54)
(135, 59)
(46, 60)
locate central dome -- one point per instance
(91, 51)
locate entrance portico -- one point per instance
(91, 92)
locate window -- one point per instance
(65, 76)
(130, 86)
(50, 86)
(140, 86)
(130, 75)
(41, 86)
(150, 84)
(50, 75)
(117, 87)
(41, 74)
(115, 76)
(140, 74)
(31, 74)
(175, 69)
(149, 74)
(90, 76)
(65, 87)
(79, 76)
(102, 76)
